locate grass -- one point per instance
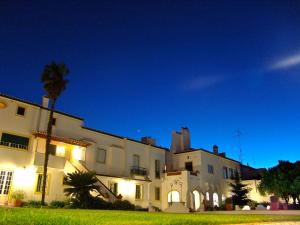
(31, 216)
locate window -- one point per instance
(14, 141)
(231, 175)
(173, 196)
(5, 182)
(207, 196)
(101, 155)
(136, 160)
(157, 193)
(210, 169)
(39, 183)
(53, 121)
(21, 111)
(138, 191)
(189, 166)
(114, 187)
(225, 172)
(157, 169)
(52, 149)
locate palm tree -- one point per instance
(53, 78)
(81, 184)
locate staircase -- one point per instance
(103, 189)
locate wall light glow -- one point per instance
(60, 151)
(78, 153)
(126, 188)
(24, 178)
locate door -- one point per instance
(5, 184)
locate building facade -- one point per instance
(139, 171)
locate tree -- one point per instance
(239, 191)
(81, 184)
(53, 78)
(281, 181)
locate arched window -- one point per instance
(207, 196)
(215, 199)
(196, 197)
(173, 196)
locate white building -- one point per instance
(132, 169)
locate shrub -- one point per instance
(33, 204)
(252, 204)
(18, 195)
(57, 204)
(123, 205)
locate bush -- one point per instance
(252, 204)
(123, 205)
(33, 204)
(18, 195)
(57, 204)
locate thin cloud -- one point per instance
(202, 82)
(287, 62)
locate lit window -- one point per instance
(157, 193)
(207, 196)
(138, 191)
(5, 182)
(21, 111)
(210, 169)
(173, 196)
(101, 155)
(39, 183)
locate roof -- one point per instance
(62, 139)
(204, 150)
(37, 105)
(91, 129)
(121, 137)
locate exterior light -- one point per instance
(127, 188)
(78, 153)
(60, 151)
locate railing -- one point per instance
(14, 145)
(136, 170)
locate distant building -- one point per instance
(139, 171)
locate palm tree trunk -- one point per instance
(48, 140)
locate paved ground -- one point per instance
(270, 223)
(258, 212)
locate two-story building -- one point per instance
(196, 177)
(139, 171)
(124, 167)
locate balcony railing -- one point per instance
(14, 145)
(140, 171)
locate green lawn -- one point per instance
(26, 216)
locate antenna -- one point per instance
(238, 135)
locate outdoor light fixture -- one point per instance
(3, 105)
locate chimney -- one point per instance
(45, 102)
(148, 140)
(216, 149)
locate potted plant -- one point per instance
(228, 204)
(17, 197)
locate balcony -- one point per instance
(14, 145)
(139, 171)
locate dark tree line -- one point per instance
(282, 180)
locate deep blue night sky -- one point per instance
(142, 68)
